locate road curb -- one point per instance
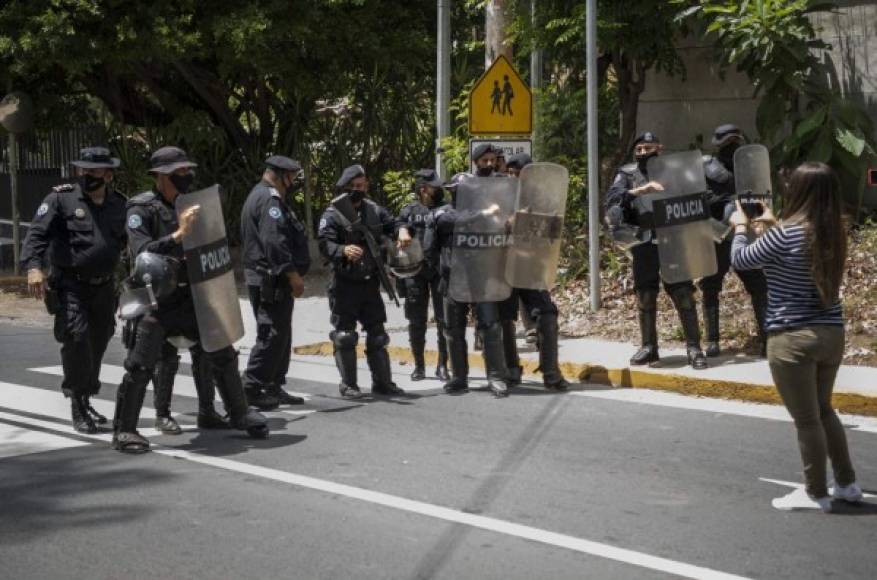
(628, 378)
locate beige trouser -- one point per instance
(804, 363)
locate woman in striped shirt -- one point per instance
(803, 258)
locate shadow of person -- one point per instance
(862, 508)
(222, 443)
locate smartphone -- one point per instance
(872, 177)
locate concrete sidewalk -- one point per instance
(598, 362)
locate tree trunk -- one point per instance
(497, 17)
(631, 78)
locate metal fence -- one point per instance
(52, 149)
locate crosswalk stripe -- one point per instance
(15, 441)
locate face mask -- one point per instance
(356, 196)
(726, 154)
(90, 183)
(484, 171)
(438, 196)
(182, 182)
(643, 160)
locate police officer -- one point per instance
(719, 170)
(484, 156)
(79, 233)
(154, 227)
(538, 306)
(632, 180)
(456, 316)
(275, 260)
(354, 292)
(417, 215)
(513, 169)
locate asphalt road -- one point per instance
(591, 484)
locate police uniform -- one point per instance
(418, 289)
(354, 291)
(151, 222)
(538, 306)
(274, 245)
(456, 316)
(81, 242)
(622, 210)
(721, 199)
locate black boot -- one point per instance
(510, 352)
(441, 369)
(494, 359)
(163, 383)
(647, 302)
(344, 350)
(379, 364)
(224, 366)
(282, 396)
(458, 354)
(82, 422)
(683, 300)
(711, 324)
(129, 402)
(92, 412)
(208, 418)
(759, 305)
(417, 339)
(552, 377)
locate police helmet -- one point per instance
(156, 271)
(405, 262)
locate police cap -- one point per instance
(348, 175)
(725, 133)
(427, 177)
(96, 158)
(281, 163)
(519, 161)
(646, 137)
(482, 150)
(169, 159)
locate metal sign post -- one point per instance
(593, 161)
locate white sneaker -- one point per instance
(851, 493)
(799, 500)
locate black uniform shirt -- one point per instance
(334, 235)
(151, 224)
(721, 186)
(84, 237)
(274, 239)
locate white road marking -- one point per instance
(717, 406)
(794, 485)
(499, 526)
(15, 441)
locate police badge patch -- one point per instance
(79, 213)
(43, 210)
(274, 212)
(134, 221)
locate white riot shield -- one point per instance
(537, 228)
(752, 178)
(208, 262)
(681, 215)
(484, 206)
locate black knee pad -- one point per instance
(147, 345)
(344, 339)
(376, 338)
(647, 299)
(683, 298)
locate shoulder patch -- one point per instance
(42, 210)
(629, 168)
(275, 212)
(64, 187)
(79, 213)
(134, 221)
(324, 223)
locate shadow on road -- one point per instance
(41, 493)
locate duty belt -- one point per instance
(90, 280)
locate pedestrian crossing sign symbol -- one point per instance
(500, 103)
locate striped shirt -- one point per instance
(784, 254)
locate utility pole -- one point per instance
(496, 21)
(593, 156)
(443, 83)
(13, 189)
(535, 80)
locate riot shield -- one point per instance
(681, 215)
(208, 262)
(484, 206)
(752, 179)
(537, 227)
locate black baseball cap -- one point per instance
(646, 137)
(482, 150)
(427, 177)
(519, 161)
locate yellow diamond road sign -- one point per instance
(500, 103)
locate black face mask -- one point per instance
(182, 182)
(437, 196)
(356, 196)
(90, 183)
(726, 155)
(642, 161)
(484, 171)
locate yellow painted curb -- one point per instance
(635, 379)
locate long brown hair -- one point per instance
(813, 200)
